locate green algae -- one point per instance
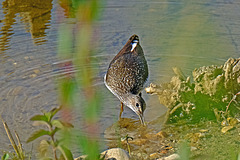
(205, 139)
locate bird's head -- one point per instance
(138, 105)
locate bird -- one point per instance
(126, 76)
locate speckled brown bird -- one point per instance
(126, 76)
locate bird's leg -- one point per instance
(120, 114)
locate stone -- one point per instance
(171, 157)
(116, 153)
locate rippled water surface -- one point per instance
(186, 34)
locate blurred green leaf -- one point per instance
(39, 118)
(95, 5)
(92, 110)
(90, 147)
(38, 134)
(67, 154)
(5, 156)
(184, 150)
(65, 40)
(67, 88)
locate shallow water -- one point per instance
(172, 33)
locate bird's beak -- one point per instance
(142, 119)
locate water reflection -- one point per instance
(34, 14)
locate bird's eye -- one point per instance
(137, 105)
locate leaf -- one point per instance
(58, 124)
(39, 118)
(38, 134)
(43, 147)
(61, 125)
(5, 156)
(51, 113)
(68, 125)
(55, 110)
(48, 115)
(67, 154)
(39, 123)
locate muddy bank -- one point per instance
(204, 96)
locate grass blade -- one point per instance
(10, 137)
(19, 146)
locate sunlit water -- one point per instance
(172, 33)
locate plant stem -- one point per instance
(53, 142)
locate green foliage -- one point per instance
(86, 13)
(38, 134)
(54, 126)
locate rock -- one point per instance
(171, 157)
(83, 157)
(111, 154)
(116, 154)
(162, 134)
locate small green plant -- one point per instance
(126, 138)
(54, 126)
(19, 151)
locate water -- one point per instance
(184, 34)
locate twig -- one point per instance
(176, 107)
(234, 97)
